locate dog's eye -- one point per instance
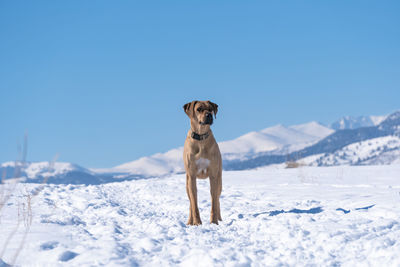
(199, 109)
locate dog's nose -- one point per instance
(209, 115)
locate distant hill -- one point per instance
(57, 173)
(331, 144)
(310, 143)
(350, 122)
(277, 139)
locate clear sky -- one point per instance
(103, 82)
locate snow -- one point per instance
(313, 129)
(279, 138)
(344, 215)
(155, 165)
(275, 138)
(350, 122)
(377, 119)
(32, 170)
(375, 151)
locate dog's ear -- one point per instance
(214, 108)
(189, 108)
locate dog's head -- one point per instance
(201, 111)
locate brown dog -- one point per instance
(202, 158)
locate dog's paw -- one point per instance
(214, 219)
(194, 222)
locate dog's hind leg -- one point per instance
(191, 189)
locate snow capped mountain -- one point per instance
(376, 151)
(314, 129)
(156, 165)
(330, 144)
(312, 143)
(32, 170)
(277, 139)
(391, 123)
(351, 122)
(342, 138)
(58, 172)
(377, 119)
(268, 146)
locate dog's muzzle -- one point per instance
(208, 120)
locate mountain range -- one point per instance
(351, 122)
(362, 140)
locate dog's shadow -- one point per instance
(315, 210)
(277, 212)
(298, 211)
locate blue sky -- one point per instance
(103, 82)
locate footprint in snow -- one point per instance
(298, 211)
(122, 212)
(361, 209)
(49, 245)
(365, 208)
(344, 211)
(67, 255)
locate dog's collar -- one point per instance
(200, 137)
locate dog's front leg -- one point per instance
(215, 190)
(191, 189)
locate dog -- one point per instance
(202, 158)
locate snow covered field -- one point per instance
(335, 216)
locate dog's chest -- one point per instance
(202, 165)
